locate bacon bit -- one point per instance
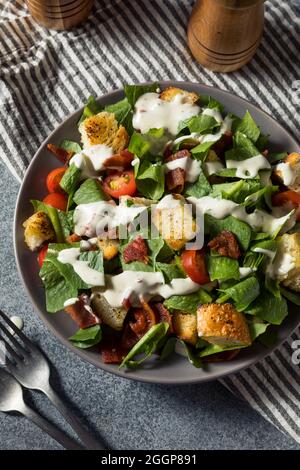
(180, 154)
(112, 351)
(126, 304)
(82, 313)
(137, 250)
(224, 144)
(149, 312)
(163, 315)
(73, 238)
(222, 356)
(175, 179)
(226, 244)
(265, 153)
(120, 160)
(62, 154)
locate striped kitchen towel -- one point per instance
(45, 75)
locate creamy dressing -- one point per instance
(245, 271)
(193, 136)
(211, 168)
(225, 127)
(85, 272)
(133, 285)
(91, 160)
(93, 218)
(258, 220)
(287, 174)
(192, 168)
(153, 113)
(71, 301)
(213, 112)
(280, 264)
(249, 167)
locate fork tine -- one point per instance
(11, 351)
(16, 329)
(20, 349)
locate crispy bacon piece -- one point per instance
(175, 179)
(112, 351)
(82, 313)
(62, 154)
(226, 244)
(265, 153)
(73, 238)
(120, 160)
(224, 144)
(163, 315)
(129, 338)
(137, 250)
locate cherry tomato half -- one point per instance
(53, 180)
(57, 200)
(42, 255)
(193, 263)
(291, 199)
(120, 183)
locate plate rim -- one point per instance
(211, 376)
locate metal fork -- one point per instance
(30, 367)
(11, 399)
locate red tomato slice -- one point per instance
(193, 263)
(53, 180)
(42, 255)
(120, 183)
(57, 200)
(291, 199)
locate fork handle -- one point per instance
(49, 428)
(88, 440)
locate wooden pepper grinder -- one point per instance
(223, 35)
(59, 14)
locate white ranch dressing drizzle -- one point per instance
(92, 218)
(213, 112)
(280, 264)
(151, 112)
(85, 272)
(210, 168)
(245, 271)
(71, 301)
(192, 168)
(225, 127)
(91, 160)
(221, 208)
(287, 173)
(133, 285)
(249, 167)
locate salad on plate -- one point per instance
(169, 226)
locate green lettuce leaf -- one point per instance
(169, 271)
(202, 124)
(87, 337)
(133, 92)
(268, 308)
(54, 217)
(240, 229)
(292, 296)
(188, 303)
(89, 191)
(237, 191)
(150, 180)
(90, 109)
(200, 188)
(248, 127)
(222, 268)
(70, 179)
(70, 146)
(242, 293)
(123, 113)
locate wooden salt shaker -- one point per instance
(223, 35)
(59, 14)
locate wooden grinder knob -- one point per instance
(223, 35)
(59, 14)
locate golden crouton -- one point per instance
(109, 247)
(290, 177)
(287, 261)
(223, 325)
(111, 316)
(38, 229)
(137, 201)
(185, 326)
(175, 222)
(169, 94)
(103, 128)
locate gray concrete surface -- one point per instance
(129, 415)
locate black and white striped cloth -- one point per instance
(45, 75)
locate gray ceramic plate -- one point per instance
(176, 369)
